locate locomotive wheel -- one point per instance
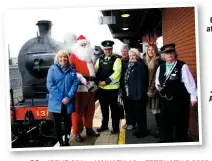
(46, 129)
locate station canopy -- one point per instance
(130, 25)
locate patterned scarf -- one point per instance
(127, 75)
(63, 67)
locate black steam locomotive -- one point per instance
(34, 60)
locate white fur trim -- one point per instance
(83, 41)
(91, 69)
(82, 88)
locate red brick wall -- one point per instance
(178, 26)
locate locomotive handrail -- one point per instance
(41, 52)
(12, 104)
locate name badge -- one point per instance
(173, 77)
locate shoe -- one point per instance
(124, 126)
(102, 128)
(139, 134)
(78, 138)
(91, 132)
(115, 131)
(130, 127)
(62, 143)
(67, 142)
(156, 134)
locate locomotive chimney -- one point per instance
(44, 27)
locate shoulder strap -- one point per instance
(167, 77)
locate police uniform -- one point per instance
(177, 89)
(108, 69)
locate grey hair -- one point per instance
(135, 52)
(125, 46)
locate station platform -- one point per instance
(106, 138)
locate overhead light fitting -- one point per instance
(125, 15)
(125, 28)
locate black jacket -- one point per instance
(138, 81)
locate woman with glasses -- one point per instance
(177, 91)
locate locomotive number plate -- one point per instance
(42, 113)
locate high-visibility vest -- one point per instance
(109, 71)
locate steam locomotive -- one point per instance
(34, 60)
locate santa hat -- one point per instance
(81, 39)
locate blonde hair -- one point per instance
(60, 52)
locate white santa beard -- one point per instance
(84, 53)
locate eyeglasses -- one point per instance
(83, 45)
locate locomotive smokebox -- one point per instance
(34, 60)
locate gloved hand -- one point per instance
(81, 79)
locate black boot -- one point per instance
(91, 132)
(61, 142)
(66, 142)
(102, 128)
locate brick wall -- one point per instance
(178, 26)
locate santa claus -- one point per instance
(82, 58)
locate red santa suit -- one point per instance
(84, 99)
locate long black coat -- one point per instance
(138, 81)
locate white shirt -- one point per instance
(187, 79)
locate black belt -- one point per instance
(90, 78)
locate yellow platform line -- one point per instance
(122, 134)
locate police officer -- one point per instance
(177, 90)
(108, 73)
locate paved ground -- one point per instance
(105, 138)
(151, 124)
(125, 137)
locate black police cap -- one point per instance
(107, 44)
(168, 47)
